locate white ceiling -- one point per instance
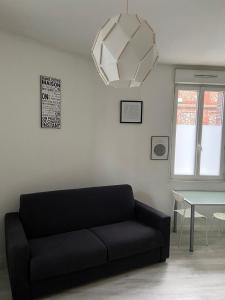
(187, 31)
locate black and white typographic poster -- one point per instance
(50, 102)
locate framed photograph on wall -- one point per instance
(159, 147)
(50, 93)
(131, 111)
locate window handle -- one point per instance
(199, 147)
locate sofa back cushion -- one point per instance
(56, 212)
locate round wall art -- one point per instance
(159, 147)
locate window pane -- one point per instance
(211, 133)
(186, 124)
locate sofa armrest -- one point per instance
(156, 219)
(18, 256)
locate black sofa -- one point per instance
(60, 239)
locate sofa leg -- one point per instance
(164, 254)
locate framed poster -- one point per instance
(159, 147)
(131, 111)
(50, 90)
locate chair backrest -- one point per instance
(180, 200)
(56, 212)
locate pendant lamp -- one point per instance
(125, 51)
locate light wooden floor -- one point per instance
(184, 276)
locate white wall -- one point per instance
(34, 159)
(123, 150)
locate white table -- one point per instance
(198, 198)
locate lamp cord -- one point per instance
(127, 7)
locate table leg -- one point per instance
(175, 217)
(192, 224)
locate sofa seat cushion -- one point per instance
(128, 238)
(64, 253)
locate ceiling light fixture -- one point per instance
(125, 51)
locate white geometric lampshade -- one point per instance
(125, 51)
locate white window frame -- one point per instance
(196, 176)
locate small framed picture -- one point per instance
(131, 111)
(50, 93)
(159, 147)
